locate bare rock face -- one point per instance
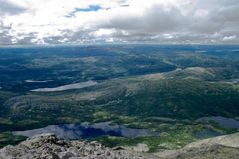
(222, 147)
(48, 146)
(225, 140)
(207, 152)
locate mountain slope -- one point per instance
(222, 147)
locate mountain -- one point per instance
(163, 89)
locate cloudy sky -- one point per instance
(24, 22)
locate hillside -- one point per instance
(223, 147)
(166, 90)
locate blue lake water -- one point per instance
(222, 121)
(206, 133)
(66, 87)
(86, 130)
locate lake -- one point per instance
(34, 81)
(86, 130)
(67, 87)
(206, 133)
(222, 121)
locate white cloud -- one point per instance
(229, 38)
(103, 32)
(76, 21)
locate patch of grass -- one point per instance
(167, 140)
(7, 138)
(100, 116)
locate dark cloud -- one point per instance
(207, 22)
(155, 20)
(5, 37)
(9, 8)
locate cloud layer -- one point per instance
(118, 21)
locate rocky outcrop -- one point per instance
(48, 146)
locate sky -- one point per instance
(30, 22)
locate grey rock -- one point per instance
(48, 146)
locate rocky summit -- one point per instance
(48, 146)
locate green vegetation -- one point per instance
(152, 87)
(175, 138)
(7, 138)
(179, 98)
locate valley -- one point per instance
(165, 89)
